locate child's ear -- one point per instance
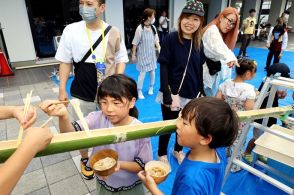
(206, 140)
(247, 74)
(102, 8)
(132, 102)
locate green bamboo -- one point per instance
(79, 140)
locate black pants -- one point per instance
(270, 55)
(167, 114)
(245, 42)
(162, 35)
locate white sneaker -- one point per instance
(164, 159)
(179, 156)
(140, 94)
(150, 92)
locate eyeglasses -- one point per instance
(231, 23)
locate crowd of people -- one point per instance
(193, 60)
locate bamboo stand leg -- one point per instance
(239, 146)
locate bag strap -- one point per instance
(186, 66)
(96, 44)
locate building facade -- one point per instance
(30, 27)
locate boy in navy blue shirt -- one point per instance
(205, 125)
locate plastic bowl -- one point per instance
(158, 165)
(101, 155)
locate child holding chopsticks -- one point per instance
(35, 140)
(116, 97)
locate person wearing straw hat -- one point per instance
(96, 50)
(35, 140)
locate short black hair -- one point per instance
(246, 65)
(119, 86)
(101, 2)
(252, 10)
(213, 117)
(281, 68)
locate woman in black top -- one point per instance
(177, 86)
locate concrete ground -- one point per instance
(55, 174)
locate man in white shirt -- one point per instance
(96, 50)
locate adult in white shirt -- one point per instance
(96, 50)
(276, 43)
(163, 26)
(219, 40)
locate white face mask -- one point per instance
(153, 21)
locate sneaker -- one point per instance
(164, 159)
(140, 94)
(150, 92)
(179, 156)
(87, 172)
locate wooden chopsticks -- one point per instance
(26, 108)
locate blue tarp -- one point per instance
(237, 183)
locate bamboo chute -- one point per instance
(79, 140)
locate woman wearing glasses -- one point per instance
(219, 39)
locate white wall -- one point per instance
(114, 14)
(17, 31)
(178, 5)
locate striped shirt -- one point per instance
(145, 41)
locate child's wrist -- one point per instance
(64, 116)
(154, 189)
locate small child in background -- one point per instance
(205, 125)
(240, 96)
(116, 97)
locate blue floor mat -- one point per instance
(238, 183)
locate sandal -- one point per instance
(163, 159)
(179, 156)
(248, 158)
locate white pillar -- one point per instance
(276, 10)
(176, 7)
(17, 32)
(291, 17)
(214, 8)
(114, 15)
(250, 4)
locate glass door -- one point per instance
(47, 20)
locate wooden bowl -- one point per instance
(101, 155)
(162, 168)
